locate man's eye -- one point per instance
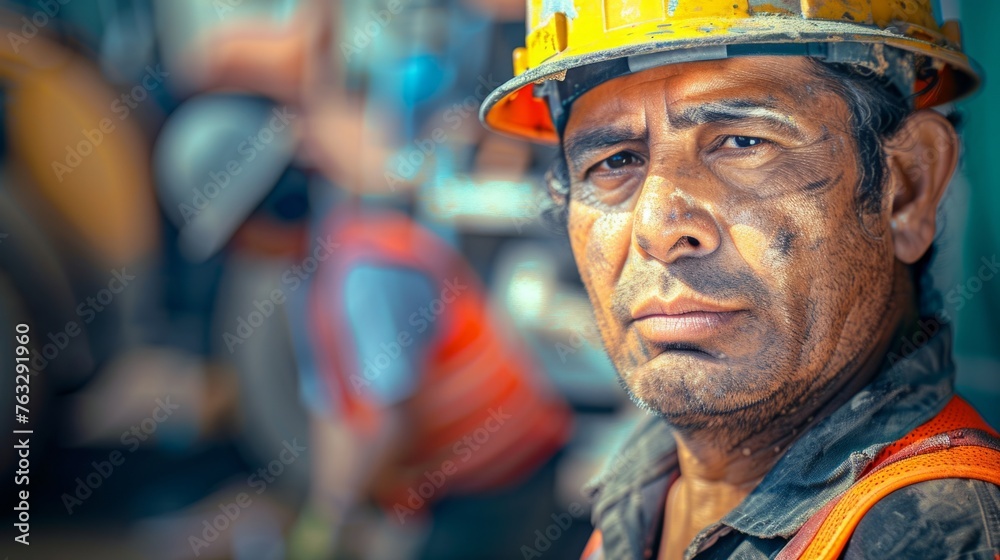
(742, 142)
(619, 160)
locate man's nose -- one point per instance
(671, 224)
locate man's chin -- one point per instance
(677, 368)
(693, 389)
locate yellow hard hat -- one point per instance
(573, 45)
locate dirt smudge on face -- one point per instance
(782, 242)
(821, 184)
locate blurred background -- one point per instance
(288, 299)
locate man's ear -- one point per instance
(921, 158)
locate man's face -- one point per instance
(712, 216)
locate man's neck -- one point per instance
(715, 476)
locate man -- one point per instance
(750, 191)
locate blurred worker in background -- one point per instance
(420, 401)
(751, 192)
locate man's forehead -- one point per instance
(770, 85)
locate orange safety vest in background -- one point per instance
(956, 443)
(481, 413)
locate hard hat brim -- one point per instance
(513, 110)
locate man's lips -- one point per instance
(682, 319)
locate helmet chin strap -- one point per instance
(896, 66)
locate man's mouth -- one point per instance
(686, 318)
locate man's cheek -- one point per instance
(578, 242)
(773, 253)
(579, 223)
(751, 243)
(596, 243)
(598, 240)
(582, 244)
(609, 241)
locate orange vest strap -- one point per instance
(973, 462)
(956, 443)
(956, 415)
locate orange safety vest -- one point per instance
(956, 443)
(481, 415)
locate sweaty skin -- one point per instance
(739, 294)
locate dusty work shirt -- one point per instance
(940, 519)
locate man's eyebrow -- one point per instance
(581, 143)
(731, 111)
